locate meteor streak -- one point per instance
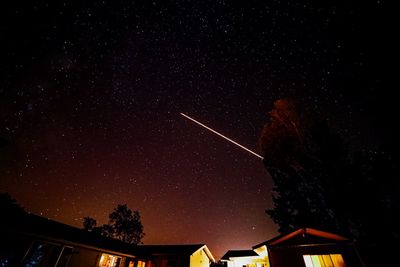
(221, 135)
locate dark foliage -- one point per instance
(319, 183)
(9, 206)
(89, 224)
(124, 224)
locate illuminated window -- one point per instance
(108, 260)
(141, 264)
(331, 260)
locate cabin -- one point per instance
(30, 240)
(243, 258)
(307, 247)
(191, 255)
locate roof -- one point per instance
(303, 235)
(46, 229)
(238, 253)
(170, 249)
(187, 249)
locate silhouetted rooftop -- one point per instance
(169, 249)
(238, 253)
(42, 228)
(303, 235)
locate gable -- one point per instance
(304, 236)
(177, 250)
(304, 240)
(239, 253)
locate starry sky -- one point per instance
(90, 96)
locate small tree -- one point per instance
(9, 206)
(89, 223)
(124, 224)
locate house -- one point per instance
(196, 255)
(30, 240)
(305, 247)
(309, 247)
(240, 258)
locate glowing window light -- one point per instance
(315, 261)
(101, 260)
(308, 261)
(108, 260)
(327, 261)
(331, 260)
(337, 260)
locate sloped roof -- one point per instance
(170, 249)
(187, 249)
(46, 229)
(238, 253)
(303, 235)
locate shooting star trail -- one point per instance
(221, 135)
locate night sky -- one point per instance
(90, 96)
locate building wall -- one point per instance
(18, 249)
(243, 261)
(199, 259)
(247, 261)
(84, 257)
(263, 253)
(293, 256)
(169, 260)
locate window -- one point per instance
(42, 254)
(12, 250)
(65, 257)
(328, 260)
(141, 264)
(108, 260)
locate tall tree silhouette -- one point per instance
(297, 150)
(318, 183)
